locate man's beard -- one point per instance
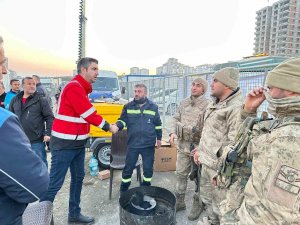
(140, 101)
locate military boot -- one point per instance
(197, 208)
(180, 204)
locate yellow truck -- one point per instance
(100, 141)
(105, 97)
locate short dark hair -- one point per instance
(141, 86)
(13, 80)
(85, 62)
(37, 77)
(26, 78)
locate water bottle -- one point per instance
(93, 166)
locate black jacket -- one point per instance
(23, 175)
(143, 124)
(2, 98)
(33, 115)
(42, 91)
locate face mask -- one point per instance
(274, 105)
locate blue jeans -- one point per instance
(61, 160)
(39, 149)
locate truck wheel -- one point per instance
(102, 153)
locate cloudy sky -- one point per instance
(41, 36)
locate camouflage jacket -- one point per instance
(190, 113)
(250, 127)
(219, 129)
(272, 194)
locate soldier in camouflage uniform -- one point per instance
(235, 166)
(272, 194)
(218, 132)
(187, 126)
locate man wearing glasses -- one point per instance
(23, 175)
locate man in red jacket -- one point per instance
(70, 131)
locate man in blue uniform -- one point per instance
(143, 123)
(23, 175)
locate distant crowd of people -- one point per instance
(247, 165)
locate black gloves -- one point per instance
(232, 156)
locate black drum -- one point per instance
(159, 207)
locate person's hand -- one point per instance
(214, 181)
(196, 158)
(158, 143)
(172, 137)
(113, 128)
(254, 99)
(46, 138)
(232, 156)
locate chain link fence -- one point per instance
(168, 91)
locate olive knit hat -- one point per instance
(286, 76)
(228, 76)
(204, 83)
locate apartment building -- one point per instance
(277, 31)
(138, 71)
(173, 67)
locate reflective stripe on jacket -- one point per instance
(75, 113)
(143, 124)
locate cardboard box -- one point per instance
(165, 158)
(102, 175)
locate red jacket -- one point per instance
(75, 113)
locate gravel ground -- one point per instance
(95, 201)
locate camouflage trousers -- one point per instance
(230, 205)
(183, 168)
(210, 195)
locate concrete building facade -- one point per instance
(173, 67)
(138, 71)
(277, 31)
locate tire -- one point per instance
(102, 153)
(171, 110)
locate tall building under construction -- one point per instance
(277, 29)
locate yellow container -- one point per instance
(110, 112)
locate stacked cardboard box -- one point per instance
(165, 157)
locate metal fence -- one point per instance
(168, 91)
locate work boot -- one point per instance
(180, 204)
(81, 219)
(124, 186)
(197, 208)
(145, 183)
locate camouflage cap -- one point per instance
(286, 76)
(228, 76)
(204, 83)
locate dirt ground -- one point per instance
(95, 201)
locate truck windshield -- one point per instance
(106, 84)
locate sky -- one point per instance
(41, 36)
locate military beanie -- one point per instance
(228, 76)
(286, 76)
(204, 83)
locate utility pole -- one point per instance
(82, 30)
